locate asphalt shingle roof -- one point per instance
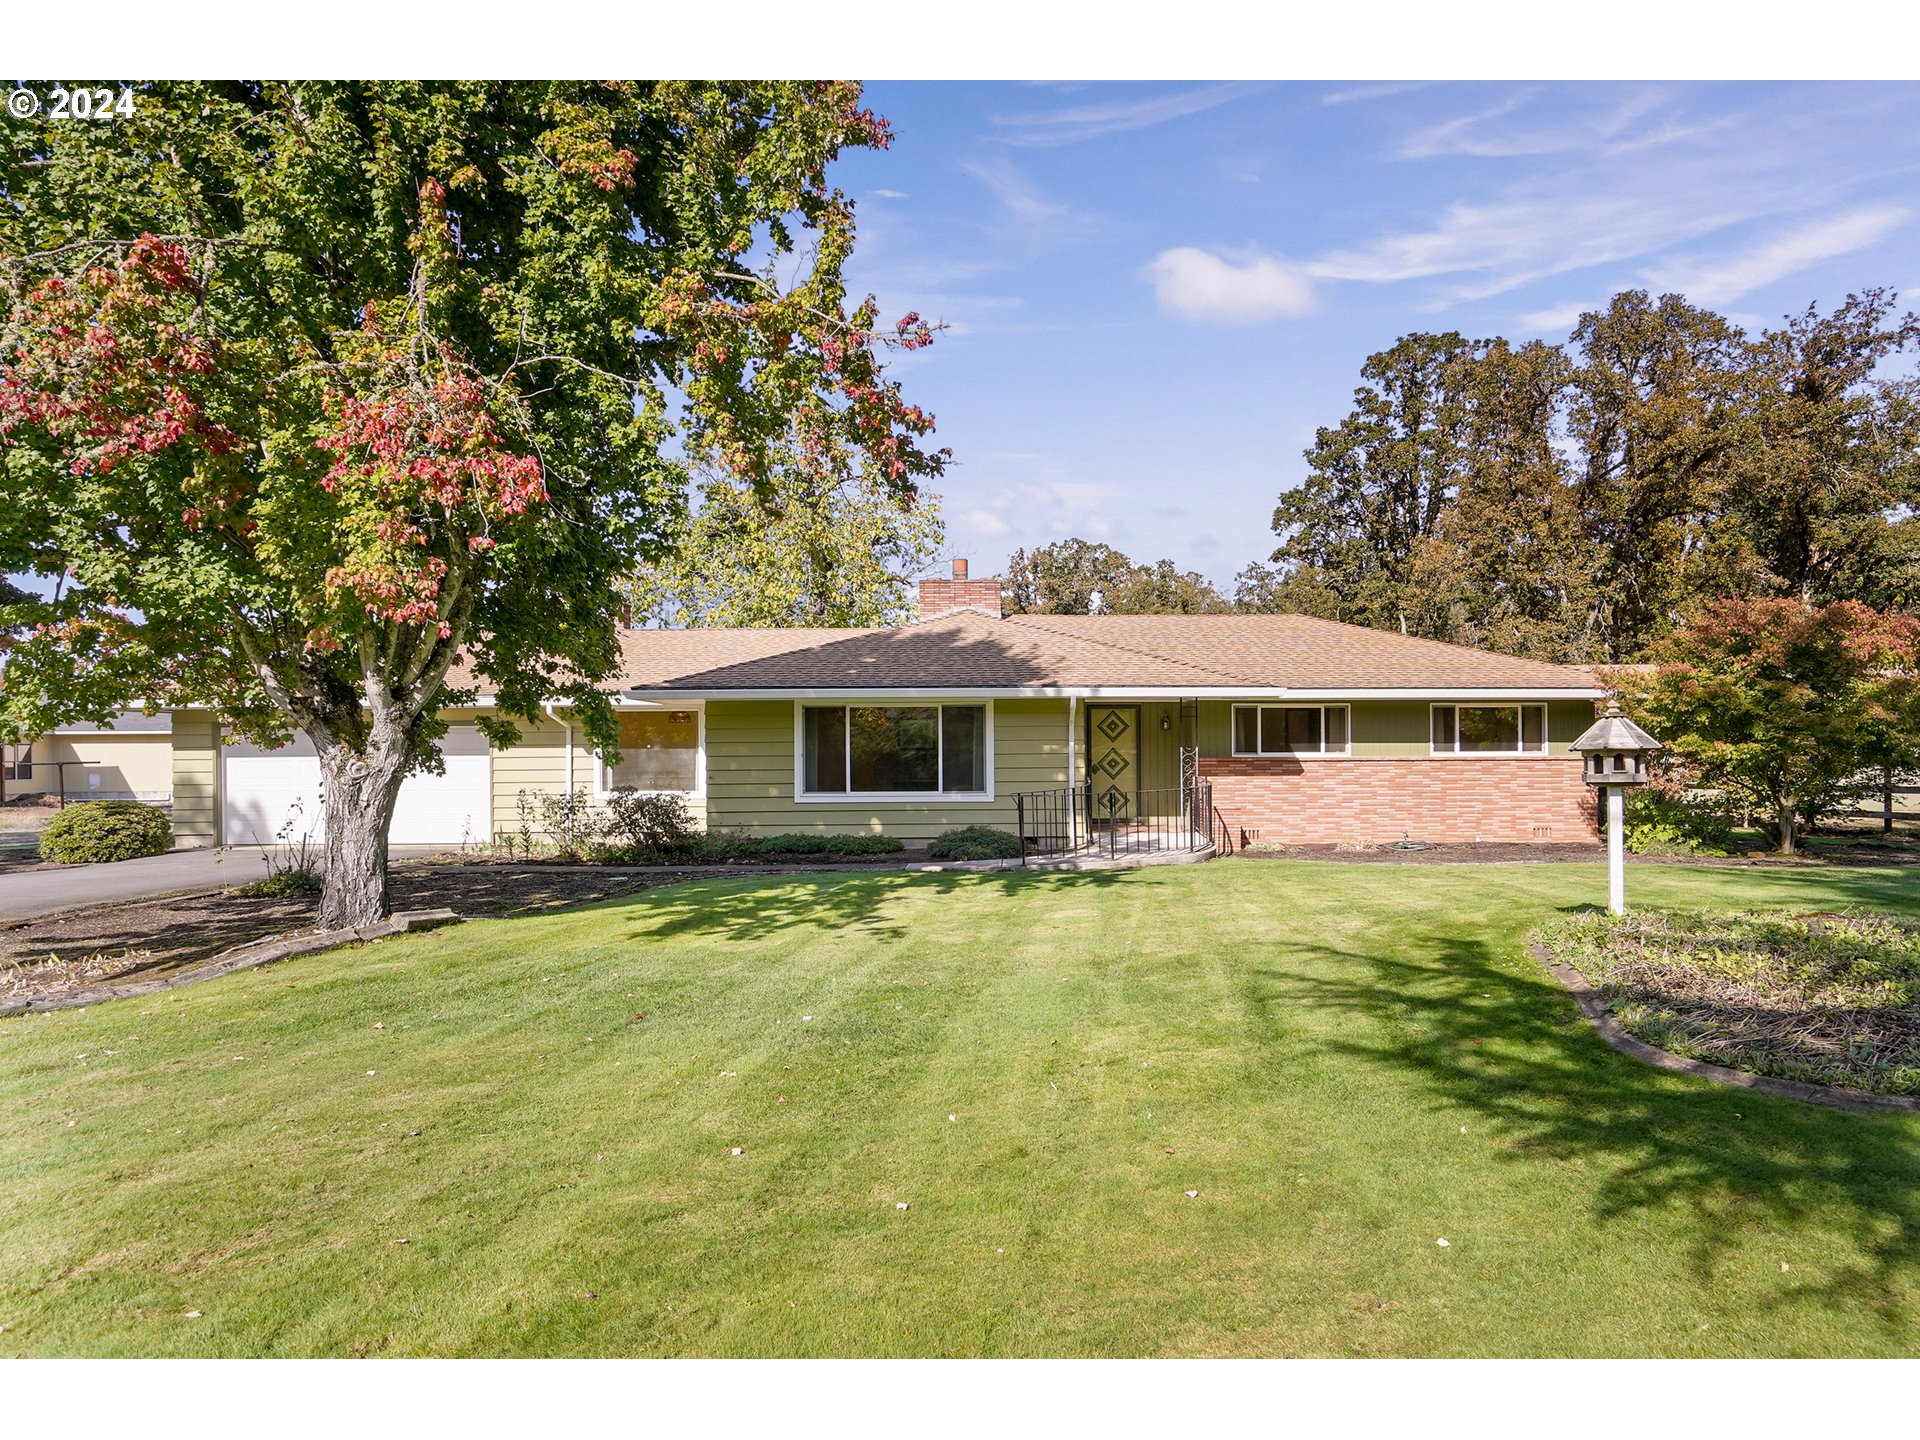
(969, 649)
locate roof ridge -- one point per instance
(1037, 622)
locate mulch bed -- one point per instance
(1826, 999)
(146, 939)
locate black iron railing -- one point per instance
(1114, 822)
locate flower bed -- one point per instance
(1831, 999)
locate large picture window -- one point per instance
(659, 750)
(893, 750)
(1489, 729)
(1290, 730)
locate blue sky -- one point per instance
(1158, 291)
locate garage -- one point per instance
(266, 791)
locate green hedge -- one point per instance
(824, 845)
(976, 842)
(96, 830)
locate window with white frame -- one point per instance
(1290, 730)
(893, 750)
(659, 751)
(1489, 729)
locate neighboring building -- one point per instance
(130, 759)
(1309, 731)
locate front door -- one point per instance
(1113, 759)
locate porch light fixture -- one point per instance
(1166, 721)
(1616, 753)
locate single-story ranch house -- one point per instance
(1307, 730)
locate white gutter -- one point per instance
(1128, 692)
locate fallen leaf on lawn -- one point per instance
(737, 1150)
(375, 1072)
(192, 1315)
(1442, 1243)
(899, 1204)
(728, 1074)
(953, 1119)
(1169, 1150)
(806, 1017)
(1784, 1267)
(1193, 1194)
(379, 1025)
(399, 1242)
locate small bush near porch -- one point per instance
(1229, 1109)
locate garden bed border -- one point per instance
(1615, 1034)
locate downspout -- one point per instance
(1073, 770)
(555, 716)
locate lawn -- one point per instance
(516, 1136)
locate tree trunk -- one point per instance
(1787, 821)
(357, 795)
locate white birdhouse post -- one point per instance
(1617, 753)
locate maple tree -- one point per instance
(328, 406)
(1783, 706)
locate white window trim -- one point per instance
(1233, 732)
(602, 778)
(1545, 752)
(803, 796)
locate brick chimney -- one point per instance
(938, 597)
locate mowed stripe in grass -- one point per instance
(1347, 1063)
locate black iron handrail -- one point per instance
(1115, 822)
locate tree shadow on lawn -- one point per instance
(864, 901)
(1655, 1141)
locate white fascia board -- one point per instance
(1117, 692)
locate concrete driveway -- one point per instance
(64, 887)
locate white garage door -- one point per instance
(270, 790)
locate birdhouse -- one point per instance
(1616, 751)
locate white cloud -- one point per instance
(1506, 243)
(1371, 92)
(986, 524)
(1716, 279)
(1228, 289)
(1035, 220)
(1089, 122)
(888, 194)
(1606, 127)
(1559, 317)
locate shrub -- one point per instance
(283, 884)
(825, 845)
(96, 830)
(571, 820)
(1667, 824)
(652, 823)
(976, 842)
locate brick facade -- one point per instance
(1287, 801)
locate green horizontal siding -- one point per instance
(1394, 729)
(750, 774)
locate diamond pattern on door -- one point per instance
(1114, 762)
